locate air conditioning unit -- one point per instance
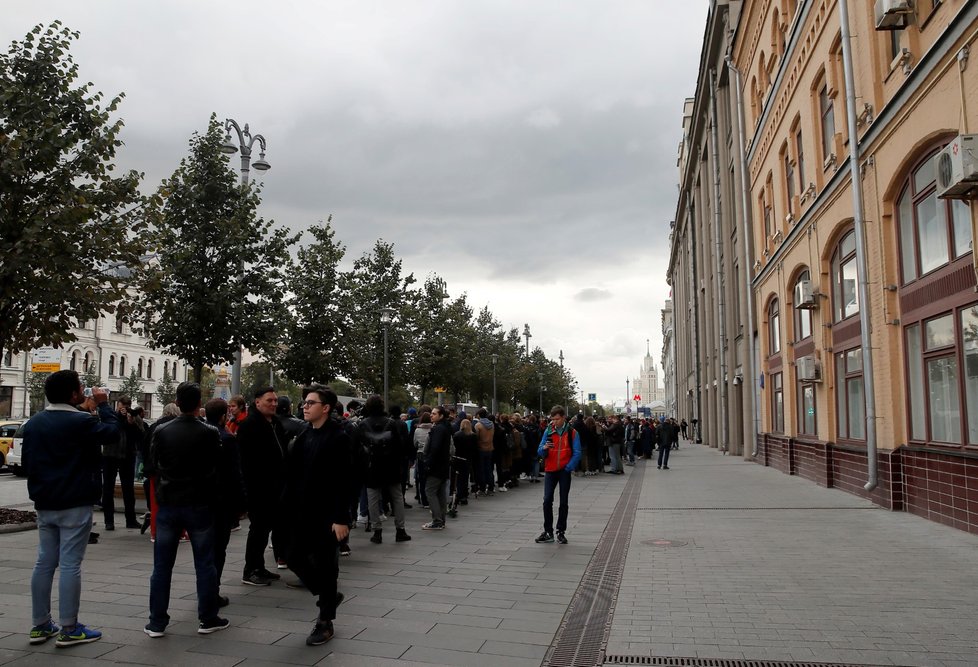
(805, 295)
(808, 369)
(957, 168)
(893, 14)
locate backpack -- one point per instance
(381, 445)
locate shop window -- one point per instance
(845, 279)
(850, 395)
(773, 328)
(933, 231)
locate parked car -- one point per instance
(16, 449)
(8, 428)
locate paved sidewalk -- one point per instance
(771, 567)
(479, 593)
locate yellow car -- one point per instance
(7, 430)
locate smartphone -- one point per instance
(88, 392)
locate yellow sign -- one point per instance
(440, 390)
(46, 360)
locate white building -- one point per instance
(646, 384)
(113, 348)
(668, 359)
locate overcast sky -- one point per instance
(525, 151)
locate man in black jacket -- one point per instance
(317, 504)
(261, 443)
(385, 449)
(185, 453)
(437, 458)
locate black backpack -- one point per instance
(380, 441)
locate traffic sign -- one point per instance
(46, 360)
(592, 397)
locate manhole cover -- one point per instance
(661, 542)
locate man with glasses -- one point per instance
(317, 484)
(561, 449)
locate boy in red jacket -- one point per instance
(561, 449)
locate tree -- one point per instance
(316, 331)
(254, 376)
(35, 389)
(90, 377)
(375, 283)
(166, 391)
(66, 223)
(218, 277)
(132, 387)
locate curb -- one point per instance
(18, 527)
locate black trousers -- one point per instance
(223, 523)
(263, 524)
(315, 560)
(126, 470)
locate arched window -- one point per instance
(166, 368)
(139, 367)
(122, 366)
(73, 364)
(89, 359)
(118, 323)
(933, 231)
(8, 358)
(845, 278)
(803, 315)
(111, 365)
(149, 369)
(773, 328)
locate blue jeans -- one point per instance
(664, 455)
(630, 451)
(614, 450)
(171, 521)
(550, 481)
(484, 477)
(62, 538)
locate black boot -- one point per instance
(402, 536)
(378, 537)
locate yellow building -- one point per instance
(861, 302)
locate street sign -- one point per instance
(46, 360)
(440, 390)
(592, 397)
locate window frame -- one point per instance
(826, 114)
(801, 313)
(777, 402)
(838, 264)
(804, 387)
(843, 381)
(773, 327)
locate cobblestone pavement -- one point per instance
(727, 559)
(771, 567)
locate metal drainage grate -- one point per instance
(716, 662)
(584, 630)
(746, 509)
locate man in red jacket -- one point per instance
(561, 449)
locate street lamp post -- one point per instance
(540, 378)
(495, 358)
(245, 143)
(526, 334)
(386, 316)
(627, 395)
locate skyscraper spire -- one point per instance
(648, 352)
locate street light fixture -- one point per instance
(495, 358)
(527, 335)
(386, 317)
(245, 143)
(540, 378)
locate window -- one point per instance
(8, 358)
(827, 115)
(933, 231)
(773, 328)
(801, 161)
(166, 368)
(118, 323)
(73, 364)
(895, 48)
(789, 179)
(112, 365)
(139, 367)
(6, 401)
(845, 278)
(777, 403)
(806, 410)
(803, 316)
(851, 400)
(122, 366)
(149, 369)
(88, 363)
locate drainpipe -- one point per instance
(748, 241)
(860, 228)
(721, 302)
(696, 313)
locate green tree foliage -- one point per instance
(166, 391)
(132, 387)
(91, 378)
(316, 332)
(66, 222)
(375, 283)
(218, 278)
(255, 376)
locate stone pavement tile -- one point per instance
(430, 619)
(287, 654)
(339, 659)
(511, 614)
(490, 634)
(445, 657)
(8, 655)
(514, 650)
(60, 659)
(456, 641)
(536, 625)
(89, 651)
(162, 652)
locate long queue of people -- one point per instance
(303, 484)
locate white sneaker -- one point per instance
(502, 489)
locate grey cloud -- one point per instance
(592, 294)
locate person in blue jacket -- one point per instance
(63, 458)
(560, 448)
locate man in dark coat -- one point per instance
(317, 503)
(261, 443)
(384, 447)
(437, 457)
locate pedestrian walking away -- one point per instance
(62, 458)
(384, 449)
(666, 436)
(561, 449)
(185, 454)
(437, 458)
(316, 501)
